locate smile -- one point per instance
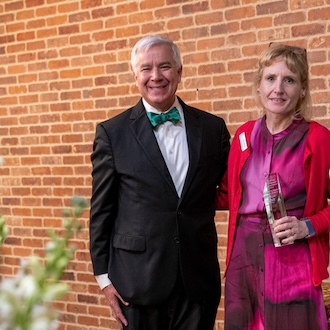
(158, 87)
(277, 100)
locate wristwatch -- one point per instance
(311, 230)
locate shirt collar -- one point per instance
(150, 108)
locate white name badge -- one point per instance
(242, 140)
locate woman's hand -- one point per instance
(289, 229)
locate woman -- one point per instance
(269, 287)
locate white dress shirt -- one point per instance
(172, 141)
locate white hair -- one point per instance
(148, 42)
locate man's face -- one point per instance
(157, 76)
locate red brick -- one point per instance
(195, 7)
(36, 23)
(79, 17)
(207, 18)
(272, 7)
(14, 6)
(296, 4)
(33, 3)
(319, 14)
(68, 6)
(85, 4)
(35, 45)
(25, 14)
(17, 89)
(79, 39)
(46, 33)
(71, 73)
(308, 29)
(14, 27)
(70, 51)
(102, 12)
(7, 38)
(70, 29)
(7, 18)
(55, 20)
(116, 44)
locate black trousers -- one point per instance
(177, 313)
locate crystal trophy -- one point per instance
(274, 203)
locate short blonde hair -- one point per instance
(296, 61)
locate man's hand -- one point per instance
(112, 297)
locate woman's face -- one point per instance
(280, 89)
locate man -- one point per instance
(152, 235)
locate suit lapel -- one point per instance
(194, 139)
(143, 131)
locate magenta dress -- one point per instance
(266, 287)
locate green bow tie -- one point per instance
(158, 119)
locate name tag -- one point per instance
(242, 140)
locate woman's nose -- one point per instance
(278, 86)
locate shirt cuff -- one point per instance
(103, 280)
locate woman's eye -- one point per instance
(289, 80)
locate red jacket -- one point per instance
(317, 180)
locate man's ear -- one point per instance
(180, 73)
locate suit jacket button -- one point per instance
(176, 240)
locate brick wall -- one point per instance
(64, 66)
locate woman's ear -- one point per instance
(303, 90)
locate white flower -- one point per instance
(43, 317)
(43, 324)
(27, 287)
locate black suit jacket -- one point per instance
(141, 232)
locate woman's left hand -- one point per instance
(288, 229)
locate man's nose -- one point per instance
(156, 74)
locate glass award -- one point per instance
(274, 203)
